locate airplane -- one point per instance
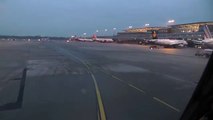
(171, 43)
(103, 40)
(85, 40)
(167, 43)
(208, 39)
(207, 44)
(80, 39)
(197, 43)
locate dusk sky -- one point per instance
(75, 17)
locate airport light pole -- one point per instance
(114, 31)
(130, 27)
(171, 22)
(105, 31)
(84, 35)
(72, 37)
(146, 25)
(96, 32)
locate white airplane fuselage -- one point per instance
(170, 42)
(85, 40)
(208, 43)
(104, 40)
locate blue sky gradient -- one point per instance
(75, 17)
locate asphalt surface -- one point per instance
(55, 80)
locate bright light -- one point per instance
(130, 27)
(105, 30)
(85, 33)
(114, 28)
(97, 31)
(171, 21)
(72, 36)
(146, 25)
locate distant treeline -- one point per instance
(32, 37)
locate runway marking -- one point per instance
(117, 78)
(102, 115)
(164, 103)
(124, 82)
(101, 110)
(98, 113)
(137, 88)
(85, 64)
(88, 63)
(142, 91)
(105, 72)
(100, 103)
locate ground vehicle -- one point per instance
(204, 52)
(154, 47)
(67, 41)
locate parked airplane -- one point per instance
(80, 39)
(103, 40)
(208, 39)
(207, 44)
(166, 42)
(171, 43)
(85, 40)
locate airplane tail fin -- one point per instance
(154, 35)
(94, 37)
(207, 33)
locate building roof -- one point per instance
(194, 26)
(144, 29)
(209, 22)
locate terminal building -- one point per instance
(188, 31)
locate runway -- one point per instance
(95, 81)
